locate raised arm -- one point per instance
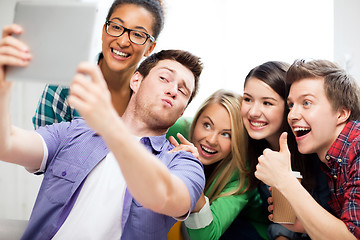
(16, 145)
(149, 181)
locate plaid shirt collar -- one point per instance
(338, 150)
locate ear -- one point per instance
(150, 49)
(103, 33)
(135, 81)
(343, 115)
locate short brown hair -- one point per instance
(185, 58)
(340, 88)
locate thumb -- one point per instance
(283, 143)
(93, 71)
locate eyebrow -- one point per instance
(226, 130)
(136, 27)
(183, 81)
(265, 98)
(302, 96)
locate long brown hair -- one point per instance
(273, 73)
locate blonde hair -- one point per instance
(236, 160)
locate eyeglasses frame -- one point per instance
(128, 30)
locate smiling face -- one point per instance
(312, 118)
(262, 111)
(162, 96)
(120, 54)
(212, 134)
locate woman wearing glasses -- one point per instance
(129, 33)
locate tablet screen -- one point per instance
(59, 35)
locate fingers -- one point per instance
(271, 208)
(183, 140)
(8, 40)
(13, 52)
(173, 141)
(94, 72)
(11, 29)
(91, 92)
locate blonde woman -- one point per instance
(218, 134)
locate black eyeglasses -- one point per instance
(135, 36)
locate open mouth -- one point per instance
(301, 131)
(208, 150)
(120, 54)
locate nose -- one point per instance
(171, 89)
(255, 110)
(294, 114)
(124, 40)
(212, 139)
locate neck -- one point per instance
(322, 152)
(140, 125)
(119, 86)
(274, 143)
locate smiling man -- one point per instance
(324, 116)
(108, 177)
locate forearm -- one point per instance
(18, 146)
(148, 180)
(318, 223)
(5, 123)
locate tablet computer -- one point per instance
(60, 36)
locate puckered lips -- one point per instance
(167, 102)
(301, 131)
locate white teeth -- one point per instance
(208, 150)
(121, 54)
(257, 124)
(301, 129)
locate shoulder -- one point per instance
(58, 90)
(64, 128)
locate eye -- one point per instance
(138, 34)
(226, 134)
(116, 27)
(246, 99)
(290, 105)
(307, 103)
(206, 125)
(268, 104)
(163, 79)
(182, 91)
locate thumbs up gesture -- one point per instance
(275, 166)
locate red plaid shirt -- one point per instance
(344, 176)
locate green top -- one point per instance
(226, 209)
(182, 125)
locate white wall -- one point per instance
(347, 35)
(234, 36)
(231, 36)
